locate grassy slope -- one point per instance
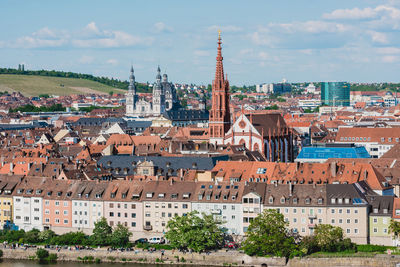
(30, 85)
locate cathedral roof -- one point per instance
(186, 115)
(268, 122)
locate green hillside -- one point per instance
(32, 85)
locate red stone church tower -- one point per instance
(220, 119)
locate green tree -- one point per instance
(120, 236)
(195, 231)
(268, 235)
(46, 235)
(32, 236)
(394, 228)
(101, 233)
(330, 238)
(111, 93)
(42, 254)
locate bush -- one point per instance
(88, 259)
(111, 258)
(97, 260)
(1, 253)
(42, 254)
(372, 248)
(52, 257)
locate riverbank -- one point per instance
(220, 258)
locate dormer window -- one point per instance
(283, 200)
(308, 200)
(161, 195)
(320, 200)
(200, 196)
(49, 193)
(87, 195)
(59, 193)
(271, 200)
(29, 191)
(186, 195)
(340, 200)
(346, 200)
(225, 197)
(385, 211)
(112, 195)
(295, 200)
(174, 196)
(20, 191)
(375, 210)
(333, 201)
(123, 195)
(38, 191)
(149, 195)
(98, 196)
(69, 194)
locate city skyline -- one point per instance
(264, 42)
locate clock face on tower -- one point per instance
(242, 124)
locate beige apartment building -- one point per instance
(305, 206)
(122, 205)
(162, 200)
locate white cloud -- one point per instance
(86, 59)
(111, 39)
(390, 59)
(388, 50)
(202, 53)
(378, 37)
(160, 27)
(33, 42)
(312, 26)
(92, 28)
(263, 56)
(88, 37)
(112, 61)
(227, 28)
(355, 13)
(45, 33)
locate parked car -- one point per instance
(156, 240)
(141, 241)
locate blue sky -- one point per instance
(263, 41)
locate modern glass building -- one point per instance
(335, 93)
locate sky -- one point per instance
(263, 40)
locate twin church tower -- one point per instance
(164, 98)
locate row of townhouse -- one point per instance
(145, 207)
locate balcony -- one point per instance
(311, 225)
(147, 227)
(216, 211)
(312, 216)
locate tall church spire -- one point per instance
(219, 70)
(131, 86)
(220, 118)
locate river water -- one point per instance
(19, 263)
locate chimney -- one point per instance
(290, 189)
(333, 169)
(172, 181)
(245, 183)
(11, 167)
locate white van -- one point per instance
(156, 240)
